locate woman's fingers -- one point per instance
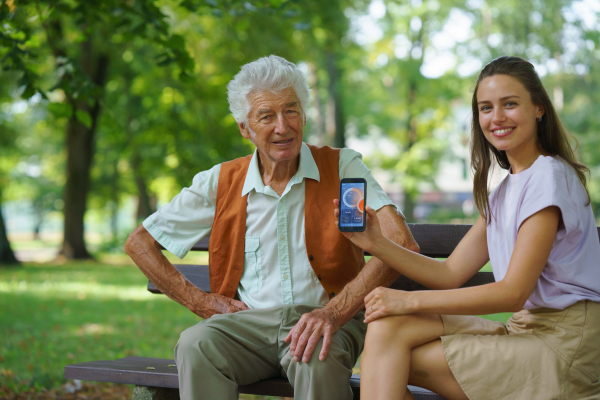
(373, 316)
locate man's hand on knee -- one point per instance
(305, 335)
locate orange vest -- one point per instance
(334, 259)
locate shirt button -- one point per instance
(285, 276)
(332, 294)
(311, 258)
(282, 237)
(319, 277)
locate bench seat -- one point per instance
(160, 381)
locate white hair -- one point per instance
(272, 74)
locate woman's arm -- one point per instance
(468, 257)
(532, 249)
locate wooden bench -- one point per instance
(156, 379)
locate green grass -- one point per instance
(52, 315)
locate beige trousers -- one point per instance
(227, 350)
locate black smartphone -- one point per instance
(353, 199)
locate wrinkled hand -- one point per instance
(218, 304)
(382, 302)
(305, 335)
(372, 233)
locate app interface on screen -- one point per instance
(353, 204)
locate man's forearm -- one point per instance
(144, 251)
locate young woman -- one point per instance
(538, 230)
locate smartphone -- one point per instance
(353, 199)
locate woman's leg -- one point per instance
(386, 361)
(429, 369)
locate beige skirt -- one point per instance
(543, 354)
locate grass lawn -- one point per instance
(53, 315)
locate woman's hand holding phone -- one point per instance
(368, 238)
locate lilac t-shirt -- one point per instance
(573, 269)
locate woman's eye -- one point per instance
(485, 108)
(511, 104)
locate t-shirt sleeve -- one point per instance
(352, 166)
(178, 225)
(549, 187)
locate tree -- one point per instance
(81, 37)
(7, 256)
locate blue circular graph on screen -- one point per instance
(352, 198)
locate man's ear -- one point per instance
(244, 130)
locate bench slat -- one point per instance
(435, 240)
(198, 276)
(134, 371)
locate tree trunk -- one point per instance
(7, 256)
(410, 196)
(319, 123)
(335, 94)
(144, 209)
(146, 204)
(80, 151)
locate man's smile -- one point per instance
(285, 141)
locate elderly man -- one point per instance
(284, 282)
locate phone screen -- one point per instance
(352, 204)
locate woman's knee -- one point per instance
(411, 329)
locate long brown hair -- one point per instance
(552, 135)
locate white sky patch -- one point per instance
(435, 64)
(19, 107)
(439, 58)
(402, 46)
(416, 23)
(377, 9)
(366, 30)
(541, 69)
(587, 11)
(469, 67)
(381, 60)
(552, 65)
(494, 39)
(365, 27)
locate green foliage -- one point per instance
(164, 114)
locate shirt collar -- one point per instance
(306, 169)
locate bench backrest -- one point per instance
(435, 240)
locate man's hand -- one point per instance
(308, 331)
(218, 304)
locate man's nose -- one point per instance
(281, 124)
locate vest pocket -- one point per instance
(252, 276)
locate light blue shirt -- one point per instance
(276, 266)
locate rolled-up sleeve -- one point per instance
(177, 226)
(352, 166)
